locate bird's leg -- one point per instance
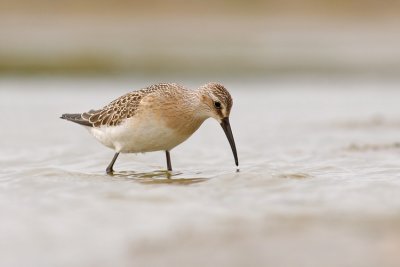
(168, 160)
(109, 169)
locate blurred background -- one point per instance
(316, 121)
(259, 38)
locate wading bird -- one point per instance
(157, 118)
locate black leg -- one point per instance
(168, 160)
(109, 169)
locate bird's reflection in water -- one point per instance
(159, 177)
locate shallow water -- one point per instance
(318, 182)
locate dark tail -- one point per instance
(77, 118)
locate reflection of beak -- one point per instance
(228, 131)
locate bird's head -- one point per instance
(217, 103)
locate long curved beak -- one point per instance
(228, 131)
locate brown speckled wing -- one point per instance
(120, 109)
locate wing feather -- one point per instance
(118, 110)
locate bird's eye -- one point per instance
(217, 105)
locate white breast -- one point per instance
(138, 135)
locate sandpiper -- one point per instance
(157, 118)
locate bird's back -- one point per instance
(121, 108)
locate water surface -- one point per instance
(318, 182)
